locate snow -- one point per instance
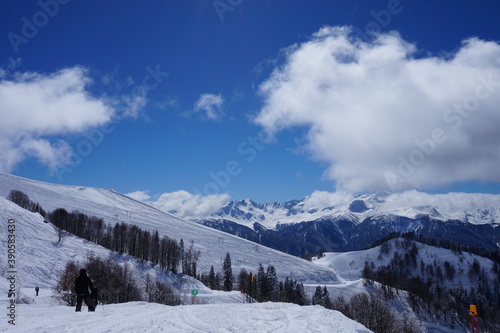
(40, 258)
(114, 207)
(150, 317)
(476, 208)
(270, 216)
(349, 265)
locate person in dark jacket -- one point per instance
(83, 287)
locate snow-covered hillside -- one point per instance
(350, 265)
(446, 276)
(466, 207)
(213, 318)
(114, 207)
(40, 258)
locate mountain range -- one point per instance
(353, 223)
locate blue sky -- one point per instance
(269, 100)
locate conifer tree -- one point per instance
(327, 301)
(272, 283)
(211, 278)
(317, 298)
(262, 290)
(183, 267)
(300, 295)
(288, 290)
(217, 281)
(228, 273)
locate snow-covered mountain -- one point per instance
(323, 222)
(114, 207)
(466, 207)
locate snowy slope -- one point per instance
(40, 258)
(149, 317)
(349, 265)
(114, 207)
(473, 208)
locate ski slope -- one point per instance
(211, 318)
(40, 258)
(114, 207)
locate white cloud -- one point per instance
(132, 105)
(321, 199)
(140, 196)
(451, 205)
(384, 118)
(36, 107)
(184, 204)
(211, 104)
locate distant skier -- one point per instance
(83, 287)
(37, 290)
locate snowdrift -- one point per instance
(213, 318)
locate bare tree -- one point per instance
(65, 287)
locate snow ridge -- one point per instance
(475, 208)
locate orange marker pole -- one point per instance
(252, 281)
(474, 319)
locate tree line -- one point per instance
(375, 314)
(129, 239)
(457, 248)
(262, 287)
(424, 282)
(22, 200)
(120, 237)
